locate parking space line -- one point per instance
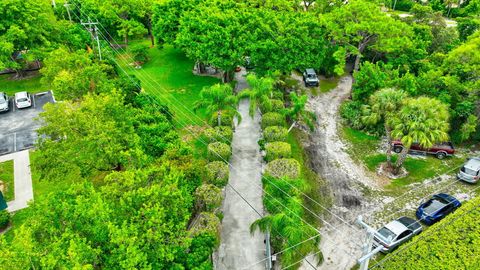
(14, 142)
(33, 98)
(13, 105)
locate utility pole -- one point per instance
(367, 247)
(92, 28)
(67, 5)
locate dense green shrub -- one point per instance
(277, 105)
(276, 150)
(139, 53)
(201, 247)
(217, 173)
(4, 219)
(219, 151)
(227, 119)
(209, 197)
(218, 134)
(351, 111)
(206, 222)
(285, 167)
(272, 119)
(275, 134)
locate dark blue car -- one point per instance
(437, 208)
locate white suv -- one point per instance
(23, 100)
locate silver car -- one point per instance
(4, 105)
(470, 171)
(23, 100)
(395, 233)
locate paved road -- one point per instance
(238, 248)
(22, 180)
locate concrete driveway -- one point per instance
(22, 179)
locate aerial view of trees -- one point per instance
(131, 163)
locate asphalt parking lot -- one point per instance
(18, 126)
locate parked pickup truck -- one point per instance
(440, 150)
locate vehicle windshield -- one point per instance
(386, 233)
(22, 99)
(434, 205)
(2, 100)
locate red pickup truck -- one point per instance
(440, 150)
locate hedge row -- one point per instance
(277, 150)
(218, 134)
(219, 151)
(284, 167)
(272, 119)
(275, 134)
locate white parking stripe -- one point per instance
(33, 99)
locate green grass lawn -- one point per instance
(30, 84)
(363, 148)
(6, 176)
(326, 85)
(168, 75)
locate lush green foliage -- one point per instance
(276, 105)
(217, 173)
(218, 99)
(208, 197)
(139, 53)
(219, 151)
(284, 167)
(283, 201)
(297, 112)
(4, 219)
(276, 150)
(272, 119)
(275, 133)
(218, 134)
(6, 176)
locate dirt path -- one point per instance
(238, 248)
(340, 242)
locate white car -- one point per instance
(23, 100)
(395, 233)
(3, 102)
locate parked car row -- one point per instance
(21, 100)
(402, 229)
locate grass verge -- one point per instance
(363, 148)
(168, 75)
(6, 176)
(29, 84)
(316, 197)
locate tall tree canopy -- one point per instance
(26, 29)
(361, 25)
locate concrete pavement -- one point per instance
(22, 180)
(238, 248)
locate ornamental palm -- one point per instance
(422, 120)
(216, 99)
(383, 105)
(297, 111)
(260, 92)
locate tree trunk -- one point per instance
(293, 124)
(401, 159)
(361, 48)
(219, 118)
(226, 77)
(201, 68)
(126, 39)
(150, 33)
(389, 148)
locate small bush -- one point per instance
(275, 134)
(272, 119)
(209, 197)
(217, 173)
(219, 134)
(227, 119)
(276, 150)
(219, 151)
(206, 223)
(4, 219)
(351, 111)
(277, 105)
(139, 53)
(276, 94)
(285, 167)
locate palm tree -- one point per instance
(260, 92)
(297, 111)
(383, 105)
(422, 120)
(216, 99)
